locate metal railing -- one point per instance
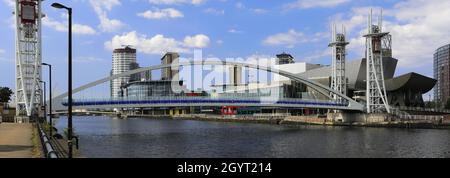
(46, 144)
(422, 109)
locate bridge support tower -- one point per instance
(378, 45)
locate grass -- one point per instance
(37, 153)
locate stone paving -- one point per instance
(16, 140)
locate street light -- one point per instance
(50, 95)
(69, 107)
(43, 100)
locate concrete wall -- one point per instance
(356, 117)
(7, 114)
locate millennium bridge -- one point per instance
(340, 102)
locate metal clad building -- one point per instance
(441, 70)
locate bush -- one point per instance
(447, 105)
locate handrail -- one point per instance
(48, 148)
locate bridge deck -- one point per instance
(207, 101)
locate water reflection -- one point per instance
(107, 137)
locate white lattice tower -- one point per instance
(377, 42)
(338, 79)
(28, 56)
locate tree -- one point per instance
(5, 94)
(447, 105)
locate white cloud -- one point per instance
(169, 2)
(87, 60)
(2, 59)
(102, 7)
(418, 28)
(62, 27)
(259, 11)
(306, 4)
(157, 44)
(318, 55)
(197, 41)
(288, 39)
(234, 31)
(109, 25)
(240, 5)
(161, 14)
(11, 21)
(83, 29)
(55, 25)
(214, 11)
(10, 3)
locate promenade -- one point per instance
(16, 140)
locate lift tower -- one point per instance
(28, 57)
(338, 79)
(378, 45)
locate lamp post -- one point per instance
(50, 96)
(43, 100)
(69, 103)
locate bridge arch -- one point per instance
(353, 105)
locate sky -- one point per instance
(224, 29)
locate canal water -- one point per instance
(162, 138)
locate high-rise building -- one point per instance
(123, 60)
(170, 73)
(442, 74)
(235, 75)
(284, 58)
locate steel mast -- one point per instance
(28, 57)
(378, 45)
(338, 79)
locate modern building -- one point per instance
(143, 76)
(402, 91)
(441, 68)
(123, 60)
(284, 58)
(295, 68)
(170, 73)
(153, 88)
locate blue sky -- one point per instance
(224, 28)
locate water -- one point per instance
(107, 137)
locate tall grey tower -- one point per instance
(378, 45)
(170, 73)
(28, 57)
(338, 79)
(123, 60)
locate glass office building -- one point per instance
(153, 88)
(442, 74)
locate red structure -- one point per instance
(229, 110)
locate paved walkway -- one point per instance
(16, 140)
